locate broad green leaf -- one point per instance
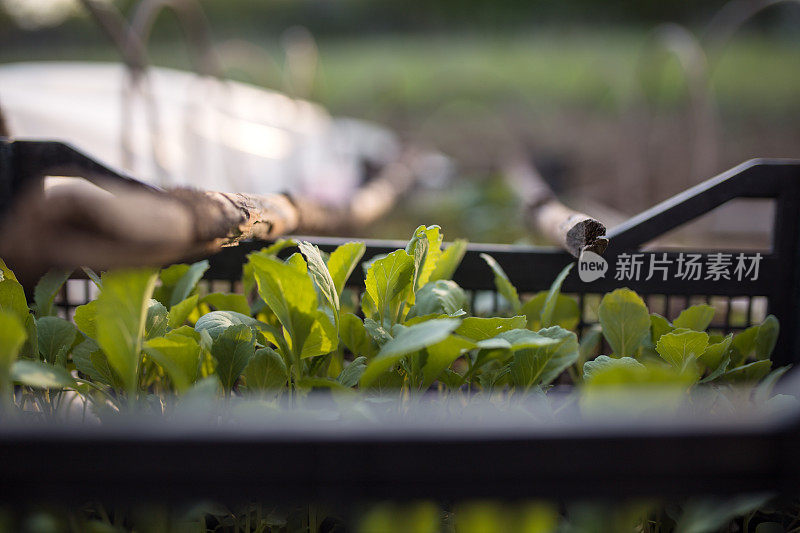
(567, 312)
(53, 334)
(217, 322)
(297, 262)
(441, 355)
(388, 279)
(659, 326)
(46, 290)
(321, 339)
(479, 329)
(350, 375)
(696, 317)
(321, 276)
(448, 262)
(721, 368)
(715, 353)
(682, 347)
(221, 301)
(743, 345)
(121, 314)
(167, 279)
(248, 279)
(525, 338)
(343, 261)
(625, 321)
(377, 331)
(502, 283)
(86, 319)
(179, 313)
(232, 350)
(542, 364)
(552, 297)
(266, 370)
(368, 307)
(426, 249)
(604, 362)
(40, 375)
(749, 373)
(12, 337)
(439, 297)
(187, 282)
(90, 361)
(290, 294)
(178, 354)
(12, 299)
(355, 336)
(156, 321)
(408, 340)
(766, 338)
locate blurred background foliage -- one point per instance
(620, 104)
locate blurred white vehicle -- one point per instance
(181, 129)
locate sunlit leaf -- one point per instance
(179, 354)
(121, 314)
(216, 322)
(266, 370)
(682, 346)
(221, 301)
(441, 355)
(40, 375)
(448, 262)
(387, 279)
(625, 321)
(355, 336)
(343, 261)
(478, 328)
(179, 313)
(12, 337)
(408, 340)
(696, 317)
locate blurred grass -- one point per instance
(598, 70)
(467, 94)
(594, 70)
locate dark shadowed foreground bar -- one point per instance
(344, 452)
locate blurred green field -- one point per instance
(377, 76)
(577, 96)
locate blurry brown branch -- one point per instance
(546, 215)
(77, 224)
